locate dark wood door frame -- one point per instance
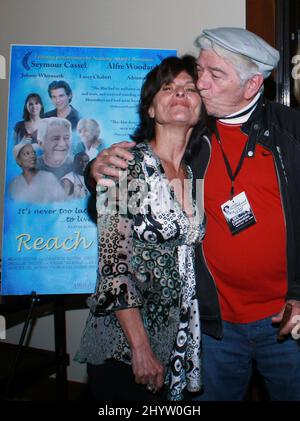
(277, 21)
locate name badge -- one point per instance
(238, 213)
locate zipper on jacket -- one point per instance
(205, 261)
(283, 210)
(281, 200)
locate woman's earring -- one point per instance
(151, 112)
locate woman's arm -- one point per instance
(117, 290)
(146, 368)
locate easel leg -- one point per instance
(60, 349)
(11, 379)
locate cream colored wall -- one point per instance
(114, 23)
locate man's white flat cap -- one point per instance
(241, 41)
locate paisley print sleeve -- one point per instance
(116, 288)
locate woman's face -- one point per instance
(86, 132)
(177, 102)
(27, 157)
(33, 107)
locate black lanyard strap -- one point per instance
(232, 175)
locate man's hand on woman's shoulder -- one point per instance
(109, 162)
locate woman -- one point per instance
(33, 186)
(31, 126)
(89, 132)
(143, 330)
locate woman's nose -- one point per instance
(180, 91)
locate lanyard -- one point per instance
(232, 175)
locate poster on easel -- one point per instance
(65, 105)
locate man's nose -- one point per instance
(203, 81)
(61, 139)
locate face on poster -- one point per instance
(65, 105)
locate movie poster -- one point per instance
(65, 105)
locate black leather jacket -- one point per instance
(277, 128)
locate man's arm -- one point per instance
(107, 165)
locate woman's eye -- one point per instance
(191, 89)
(167, 88)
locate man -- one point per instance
(245, 277)
(61, 97)
(56, 145)
(73, 182)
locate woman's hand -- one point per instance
(147, 369)
(26, 138)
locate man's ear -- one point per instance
(253, 85)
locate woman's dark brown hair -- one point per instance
(160, 75)
(26, 114)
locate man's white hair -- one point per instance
(46, 123)
(244, 67)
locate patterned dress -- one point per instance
(146, 260)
